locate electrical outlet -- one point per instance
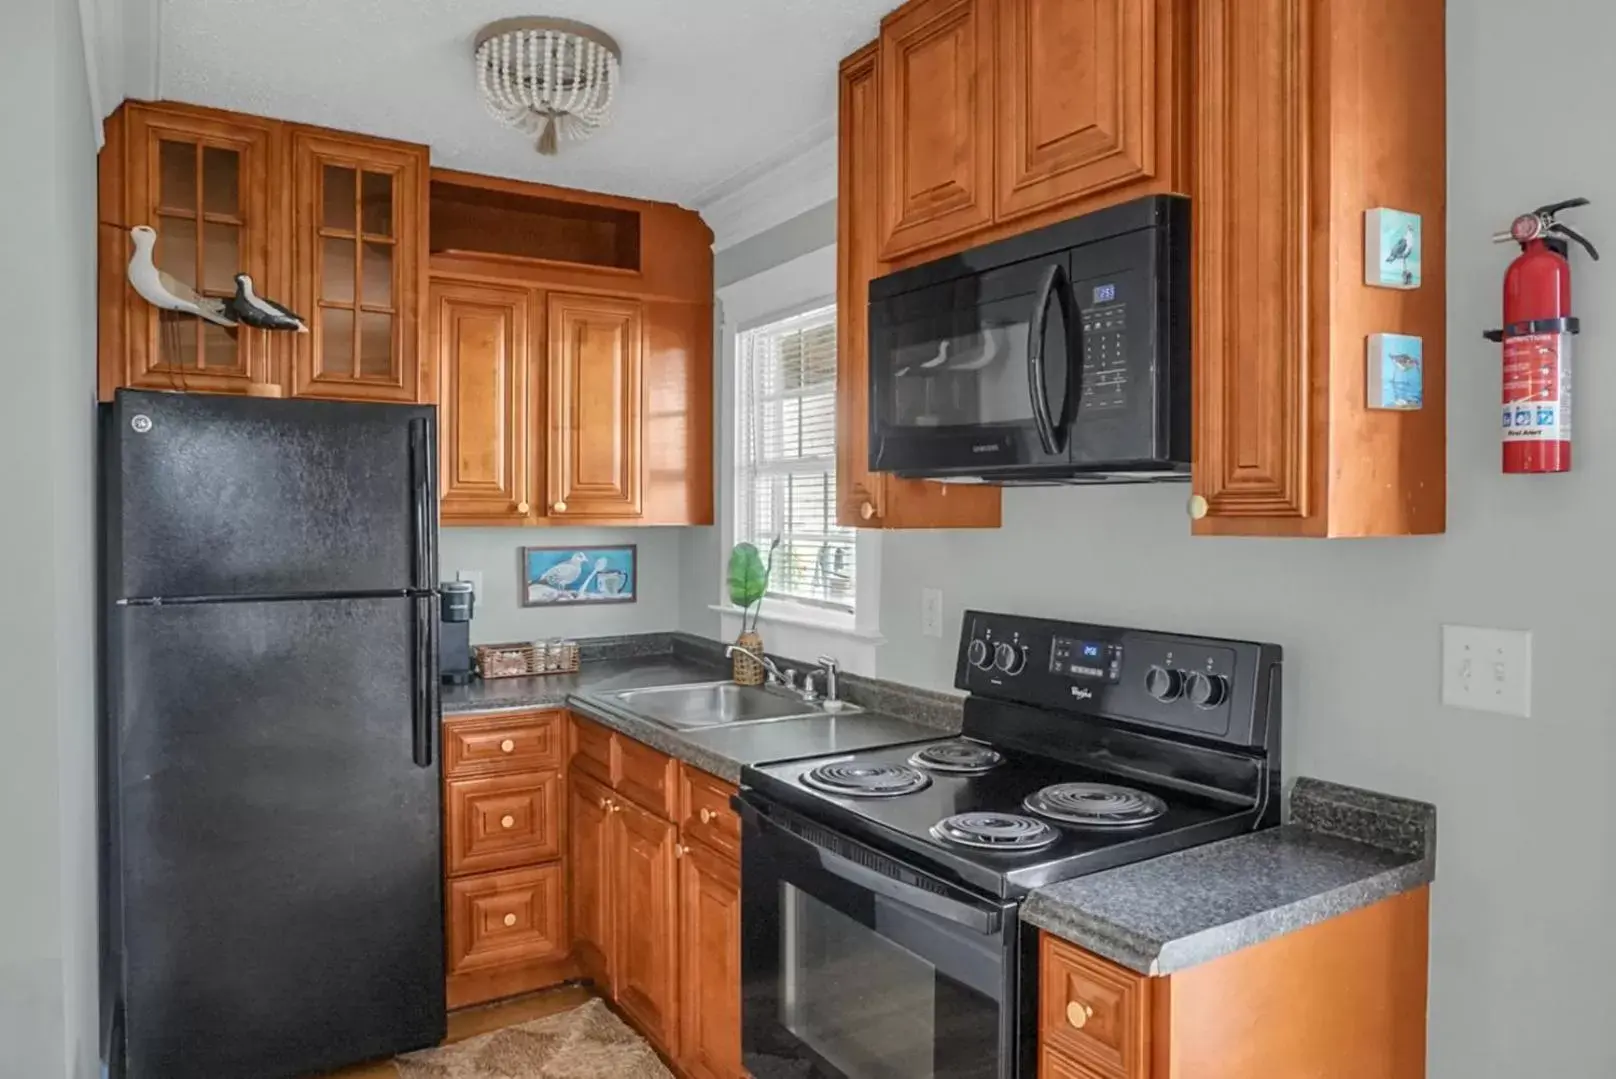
(1488, 670)
(473, 577)
(931, 612)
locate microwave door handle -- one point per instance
(1035, 361)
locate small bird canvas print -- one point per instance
(568, 576)
(1392, 249)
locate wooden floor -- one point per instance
(474, 1021)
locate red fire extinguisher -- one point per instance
(1538, 327)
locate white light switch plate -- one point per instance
(473, 577)
(931, 612)
(1488, 670)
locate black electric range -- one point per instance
(880, 889)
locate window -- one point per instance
(785, 457)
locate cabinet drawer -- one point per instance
(705, 813)
(501, 822)
(647, 776)
(496, 745)
(1093, 1011)
(499, 919)
(592, 750)
(1053, 1064)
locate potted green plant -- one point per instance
(748, 584)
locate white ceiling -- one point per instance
(713, 90)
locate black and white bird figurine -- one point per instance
(164, 290)
(253, 309)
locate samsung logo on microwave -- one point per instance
(985, 447)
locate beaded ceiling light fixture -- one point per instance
(554, 78)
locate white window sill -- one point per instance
(806, 618)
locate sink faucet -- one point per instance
(829, 667)
(779, 677)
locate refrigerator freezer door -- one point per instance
(213, 495)
(276, 864)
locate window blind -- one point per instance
(786, 457)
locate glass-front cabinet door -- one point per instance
(200, 181)
(358, 233)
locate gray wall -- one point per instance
(500, 615)
(1521, 935)
(47, 290)
(700, 558)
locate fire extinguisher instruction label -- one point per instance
(1537, 388)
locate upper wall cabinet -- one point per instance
(936, 82)
(997, 116)
(596, 385)
(1087, 99)
(201, 180)
(330, 225)
(1296, 136)
(357, 226)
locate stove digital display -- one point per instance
(1086, 659)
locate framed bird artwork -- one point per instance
(1392, 248)
(573, 576)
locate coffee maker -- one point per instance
(455, 602)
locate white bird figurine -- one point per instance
(563, 574)
(255, 310)
(164, 290)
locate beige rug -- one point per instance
(588, 1042)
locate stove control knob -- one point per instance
(979, 654)
(1164, 683)
(1206, 690)
(1009, 658)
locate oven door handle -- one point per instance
(982, 920)
(1055, 287)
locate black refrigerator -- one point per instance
(272, 875)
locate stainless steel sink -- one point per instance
(715, 704)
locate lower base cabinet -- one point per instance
(655, 903)
(709, 964)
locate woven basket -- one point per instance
(518, 659)
(748, 671)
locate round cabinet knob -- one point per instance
(707, 816)
(510, 920)
(679, 850)
(867, 511)
(1009, 658)
(559, 507)
(1078, 1014)
(979, 654)
(507, 746)
(522, 507)
(1206, 690)
(1197, 507)
(1164, 683)
(507, 821)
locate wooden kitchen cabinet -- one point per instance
(1091, 100)
(480, 335)
(645, 921)
(202, 179)
(935, 79)
(709, 963)
(863, 498)
(1343, 997)
(1297, 133)
(502, 828)
(359, 242)
(589, 866)
(596, 386)
(329, 224)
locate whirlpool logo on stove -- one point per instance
(1082, 693)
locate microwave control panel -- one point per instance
(1105, 344)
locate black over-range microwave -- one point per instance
(1058, 356)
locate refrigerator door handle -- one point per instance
(421, 506)
(425, 718)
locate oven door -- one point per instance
(971, 376)
(855, 966)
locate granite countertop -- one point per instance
(1343, 848)
(720, 751)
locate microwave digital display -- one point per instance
(1106, 293)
